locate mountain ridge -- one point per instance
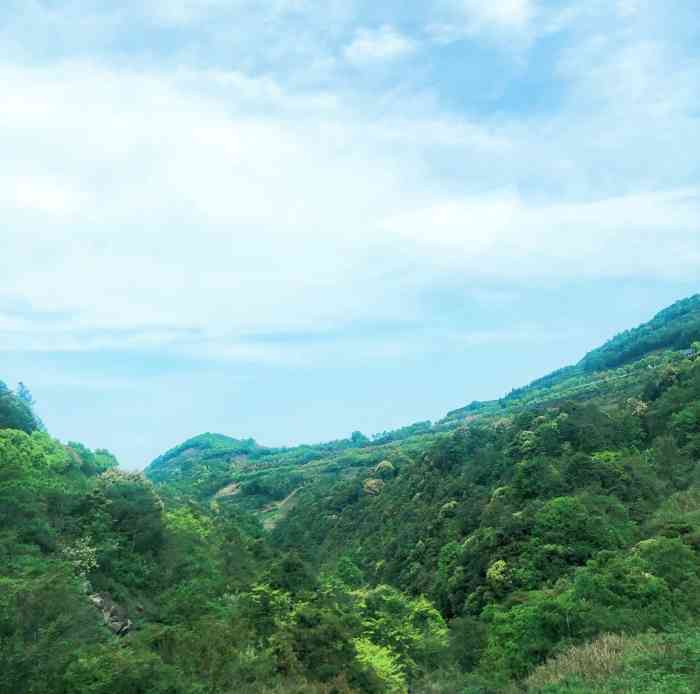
(266, 476)
(547, 542)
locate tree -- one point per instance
(15, 413)
(24, 395)
(358, 438)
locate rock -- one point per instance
(385, 470)
(115, 616)
(373, 487)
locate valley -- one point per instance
(548, 541)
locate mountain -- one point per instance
(199, 464)
(565, 511)
(213, 467)
(262, 479)
(546, 542)
(675, 328)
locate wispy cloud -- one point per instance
(378, 45)
(162, 197)
(504, 13)
(508, 237)
(499, 19)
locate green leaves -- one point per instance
(540, 524)
(384, 664)
(120, 669)
(16, 410)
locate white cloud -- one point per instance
(38, 194)
(146, 202)
(457, 19)
(505, 236)
(188, 208)
(507, 13)
(378, 45)
(191, 209)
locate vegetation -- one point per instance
(658, 663)
(676, 328)
(212, 607)
(241, 473)
(547, 542)
(16, 409)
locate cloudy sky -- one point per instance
(295, 218)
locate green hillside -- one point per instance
(675, 328)
(213, 467)
(199, 465)
(548, 519)
(260, 479)
(16, 409)
(545, 542)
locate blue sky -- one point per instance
(294, 219)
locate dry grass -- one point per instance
(595, 660)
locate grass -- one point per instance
(644, 664)
(593, 661)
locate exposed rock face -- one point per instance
(115, 616)
(385, 470)
(373, 487)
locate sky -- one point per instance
(294, 219)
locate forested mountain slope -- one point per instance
(545, 542)
(675, 328)
(106, 588)
(536, 528)
(260, 479)
(212, 467)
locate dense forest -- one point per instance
(545, 542)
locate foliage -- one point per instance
(383, 664)
(538, 529)
(649, 663)
(676, 327)
(16, 409)
(545, 542)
